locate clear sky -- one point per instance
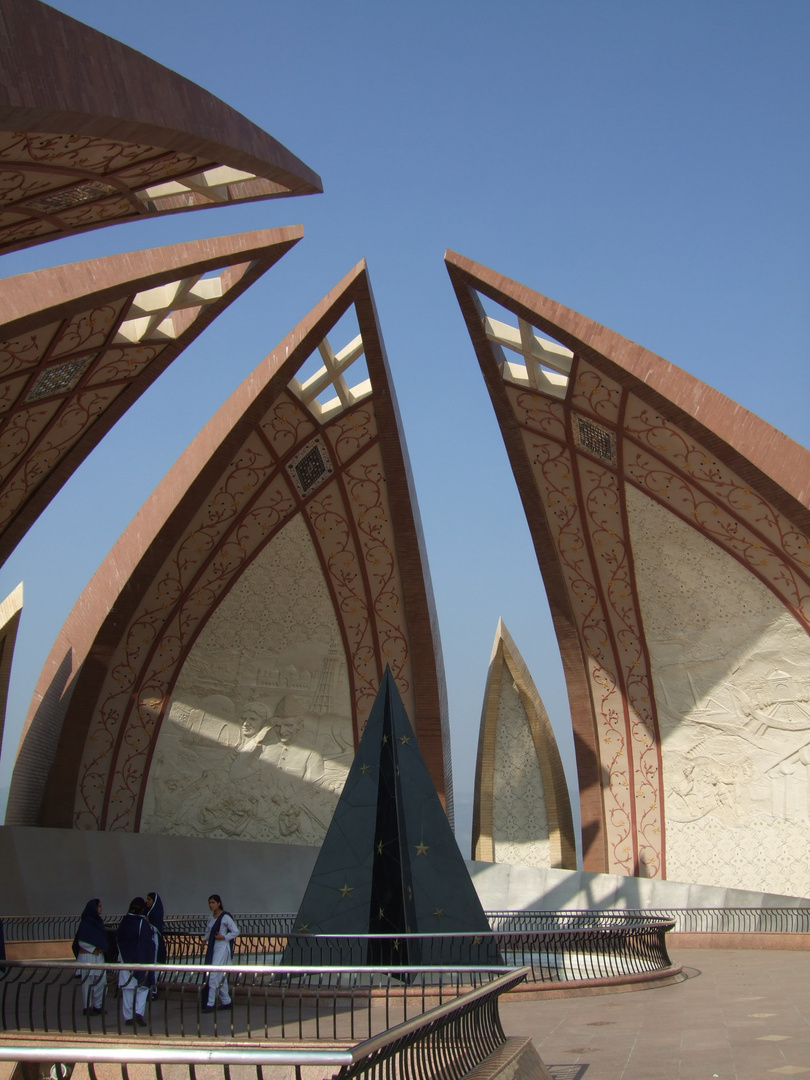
(645, 163)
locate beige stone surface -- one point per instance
(258, 740)
(519, 818)
(731, 670)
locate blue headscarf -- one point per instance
(135, 945)
(212, 937)
(154, 915)
(91, 928)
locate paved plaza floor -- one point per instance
(739, 1015)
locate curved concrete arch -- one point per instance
(110, 135)
(80, 343)
(521, 807)
(647, 491)
(280, 455)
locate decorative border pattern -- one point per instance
(350, 522)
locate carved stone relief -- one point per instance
(519, 819)
(731, 670)
(258, 739)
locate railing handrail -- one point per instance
(695, 919)
(269, 969)
(498, 986)
(160, 1054)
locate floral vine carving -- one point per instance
(331, 524)
(249, 472)
(595, 394)
(286, 425)
(538, 413)
(25, 351)
(352, 431)
(367, 490)
(682, 475)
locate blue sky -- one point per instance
(642, 162)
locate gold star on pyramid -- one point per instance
(476, 941)
(364, 768)
(381, 914)
(385, 740)
(396, 943)
(439, 912)
(422, 848)
(303, 928)
(405, 740)
(379, 847)
(347, 890)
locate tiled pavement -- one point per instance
(739, 1015)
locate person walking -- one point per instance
(89, 947)
(222, 931)
(135, 946)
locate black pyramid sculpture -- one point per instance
(389, 864)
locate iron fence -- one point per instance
(267, 1002)
(699, 920)
(272, 927)
(448, 1040)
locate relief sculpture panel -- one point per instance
(258, 740)
(731, 670)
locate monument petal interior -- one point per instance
(214, 680)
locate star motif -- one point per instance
(364, 768)
(439, 912)
(303, 928)
(396, 943)
(381, 913)
(476, 941)
(347, 890)
(379, 847)
(385, 740)
(405, 740)
(421, 848)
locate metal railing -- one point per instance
(552, 955)
(448, 1040)
(268, 1002)
(276, 926)
(687, 920)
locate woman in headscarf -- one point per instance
(89, 946)
(154, 916)
(135, 946)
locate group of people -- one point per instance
(138, 940)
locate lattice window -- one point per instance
(332, 375)
(311, 467)
(214, 184)
(546, 365)
(87, 191)
(150, 315)
(59, 378)
(594, 439)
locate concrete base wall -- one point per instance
(56, 871)
(523, 888)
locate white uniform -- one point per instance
(93, 982)
(223, 951)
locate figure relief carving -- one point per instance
(258, 739)
(731, 670)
